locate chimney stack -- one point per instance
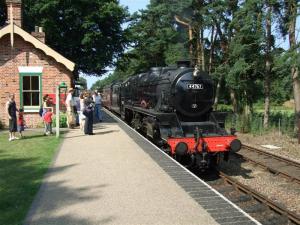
(39, 34)
(16, 11)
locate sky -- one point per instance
(133, 6)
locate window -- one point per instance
(31, 91)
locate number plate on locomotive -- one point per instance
(195, 86)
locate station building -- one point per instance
(29, 68)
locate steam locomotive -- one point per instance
(172, 106)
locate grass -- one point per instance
(23, 164)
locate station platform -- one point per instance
(117, 177)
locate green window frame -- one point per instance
(30, 108)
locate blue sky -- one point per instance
(133, 6)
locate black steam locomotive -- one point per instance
(173, 107)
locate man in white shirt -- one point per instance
(97, 100)
(70, 109)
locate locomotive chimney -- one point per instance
(183, 63)
(156, 70)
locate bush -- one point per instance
(62, 121)
(1, 125)
(224, 108)
(282, 122)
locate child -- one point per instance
(21, 122)
(48, 120)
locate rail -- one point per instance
(275, 164)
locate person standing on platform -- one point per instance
(81, 116)
(89, 114)
(11, 110)
(70, 109)
(97, 100)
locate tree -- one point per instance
(245, 58)
(291, 7)
(155, 37)
(82, 82)
(271, 7)
(100, 84)
(2, 12)
(222, 14)
(87, 32)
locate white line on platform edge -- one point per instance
(158, 149)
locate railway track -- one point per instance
(273, 163)
(257, 205)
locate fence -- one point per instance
(281, 122)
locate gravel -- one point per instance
(274, 187)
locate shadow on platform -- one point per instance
(54, 197)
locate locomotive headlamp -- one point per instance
(235, 145)
(181, 148)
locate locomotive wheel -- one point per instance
(214, 159)
(128, 117)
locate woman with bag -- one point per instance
(89, 114)
(81, 116)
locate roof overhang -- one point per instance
(13, 29)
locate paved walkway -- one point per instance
(108, 179)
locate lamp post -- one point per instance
(62, 85)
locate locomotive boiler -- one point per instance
(173, 107)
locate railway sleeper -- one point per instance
(255, 207)
(225, 189)
(274, 219)
(241, 199)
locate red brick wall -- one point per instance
(25, 54)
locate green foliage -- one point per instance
(1, 125)
(62, 121)
(89, 33)
(156, 38)
(281, 121)
(282, 89)
(83, 83)
(174, 53)
(98, 85)
(2, 12)
(224, 108)
(244, 52)
(239, 46)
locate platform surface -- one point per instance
(108, 179)
(118, 177)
